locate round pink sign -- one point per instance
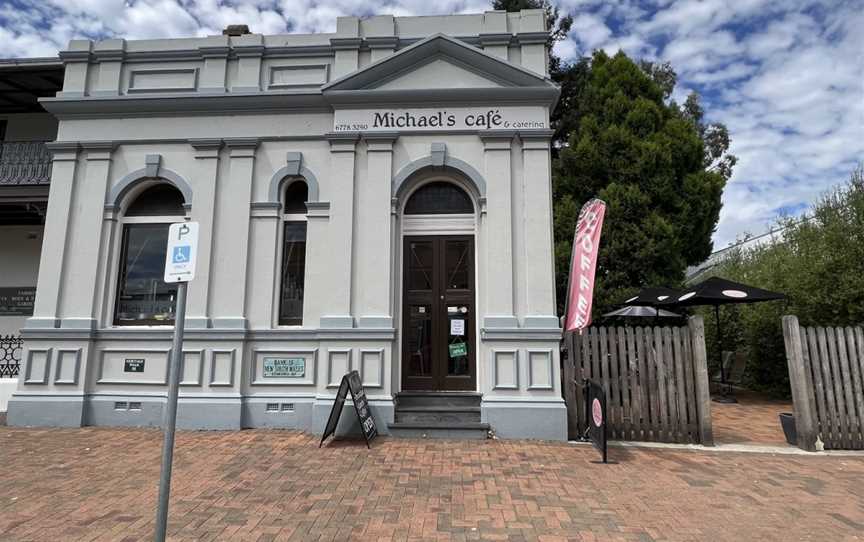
(597, 412)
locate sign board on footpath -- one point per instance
(180, 256)
(351, 383)
(595, 411)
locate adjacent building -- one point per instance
(377, 199)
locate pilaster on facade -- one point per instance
(340, 231)
(77, 62)
(79, 297)
(46, 305)
(231, 234)
(110, 55)
(537, 217)
(373, 279)
(214, 72)
(249, 50)
(346, 46)
(499, 286)
(207, 152)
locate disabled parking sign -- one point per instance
(181, 252)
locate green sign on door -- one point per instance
(458, 350)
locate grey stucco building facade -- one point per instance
(376, 199)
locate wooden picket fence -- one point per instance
(655, 379)
(826, 374)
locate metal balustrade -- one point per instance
(11, 347)
(24, 163)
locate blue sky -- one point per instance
(787, 77)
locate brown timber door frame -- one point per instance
(438, 288)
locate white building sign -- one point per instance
(438, 119)
(284, 367)
(181, 252)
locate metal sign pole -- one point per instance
(170, 419)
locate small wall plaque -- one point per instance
(284, 367)
(133, 365)
(17, 301)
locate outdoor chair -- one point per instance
(727, 357)
(734, 364)
(735, 374)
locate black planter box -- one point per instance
(787, 420)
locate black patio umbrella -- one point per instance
(638, 311)
(714, 292)
(651, 297)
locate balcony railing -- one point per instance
(24, 163)
(10, 355)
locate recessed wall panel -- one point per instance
(505, 369)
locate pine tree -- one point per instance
(660, 168)
(646, 159)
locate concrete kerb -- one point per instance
(728, 448)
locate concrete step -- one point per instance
(476, 431)
(437, 399)
(437, 414)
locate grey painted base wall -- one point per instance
(198, 414)
(524, 420)
(45, 411)
(511, 420)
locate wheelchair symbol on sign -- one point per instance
(181, 254)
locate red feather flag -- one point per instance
(583, 264)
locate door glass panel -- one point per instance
(457, 341)
(420, 263)
(457, 264)
(419, 337)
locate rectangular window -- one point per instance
(143, 298)
(293, 272)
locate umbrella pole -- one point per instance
(725, 388)
(720, 348)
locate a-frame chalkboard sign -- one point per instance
(351, 382)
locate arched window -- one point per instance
(143, 298)
(438, 198)
(293, 253)
(296, 196)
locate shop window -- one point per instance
(143, 298)
(437, 198)
(293, 254)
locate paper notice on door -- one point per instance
(457, 327)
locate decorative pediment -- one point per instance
(439, 72)
(440, 68)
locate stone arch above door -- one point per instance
(438, 164)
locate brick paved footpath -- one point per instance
(100, 484)
(754, 419)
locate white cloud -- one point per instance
(786, 77)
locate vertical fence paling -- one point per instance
(826, 374)
(654, 380)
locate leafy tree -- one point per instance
(715, 135)
(569, 75)
(817, 262)
(660, 167)
(646, 159)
